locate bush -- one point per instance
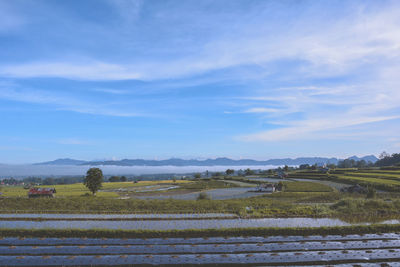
(203, 196)
(371, 192)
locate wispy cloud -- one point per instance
(333, 48)
(62, 102)
(307, 129)
(73, 141)
(84, 71)
(112, 91)
(261, 110)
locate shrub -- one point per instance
(371, 192)
(203, 196)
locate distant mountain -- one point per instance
(63, 162)
(370, 158)
(207, 162)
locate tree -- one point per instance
(286, 168)
(393, 160)
(229, 172)
(123, 179)
(383, 155)
(93, 180)
(197, 175)
(248, 172)
(304, 166)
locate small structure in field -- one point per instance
(41, 192)
(266, 188)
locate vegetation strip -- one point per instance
(228, 232)
(115, 219)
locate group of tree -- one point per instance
(388, 160)
(42, 181)
(351, 163)
(229, 172)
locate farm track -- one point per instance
(259, 251)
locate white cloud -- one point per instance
(309, 129)
(328, 49)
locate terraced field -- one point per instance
(386, 180)
(347, 250)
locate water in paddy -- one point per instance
(216, 194)
(180, 224)
(116, 216)
(267, 179)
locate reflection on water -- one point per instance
(116, 216)
(181, 224)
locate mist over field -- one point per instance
(20, 171)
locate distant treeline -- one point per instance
(388, 160)
(385, 160)
(43, 181)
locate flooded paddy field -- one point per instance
(216, 194)
(346, 250)
(336, 185)
(30, 216)
(267, 179)
(181, 224)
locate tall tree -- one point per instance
(229, 172)
(93, 180)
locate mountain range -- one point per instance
(207, 162)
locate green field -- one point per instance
(202, 233)
(75, 190)
(299, 198)
(306, 187)
(386, 180)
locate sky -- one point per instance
(114, 79)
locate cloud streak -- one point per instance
(61, 102)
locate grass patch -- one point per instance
(192, 233)
(206, 184)
(306, 187)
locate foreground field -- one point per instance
(252, 250)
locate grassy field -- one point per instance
(306, 187)
(298, 199)
(75, 190)
(387, 180)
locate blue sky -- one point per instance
(103, 79)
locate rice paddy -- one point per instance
(250, 251)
